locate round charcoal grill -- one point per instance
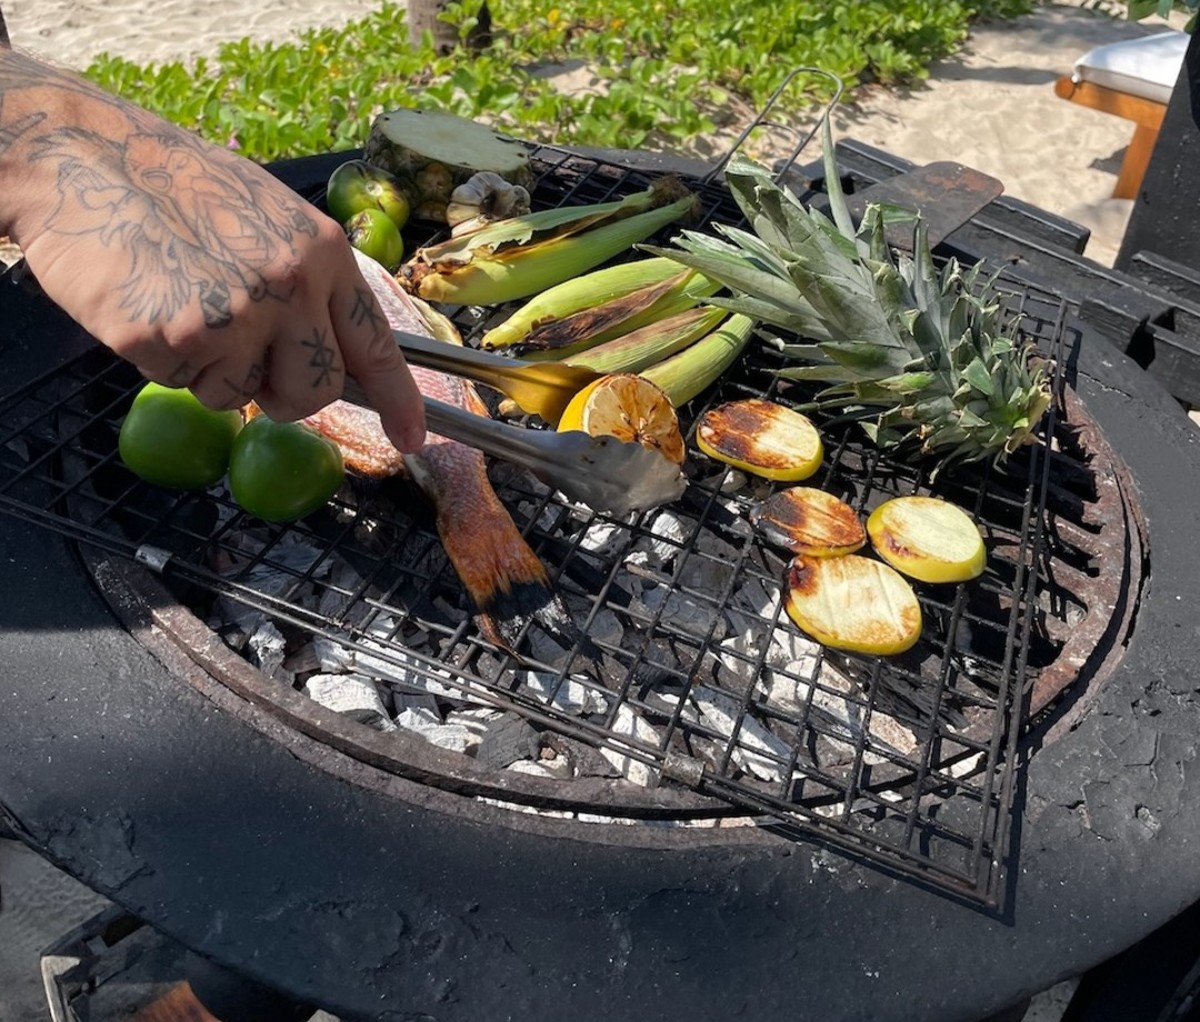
(1038, 823)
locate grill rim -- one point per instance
(425, 763)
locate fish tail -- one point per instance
(506, 582)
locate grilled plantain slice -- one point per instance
(928, 539)
(853, 603)
(761, 437)
(809, 521)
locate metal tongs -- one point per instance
(603, 472)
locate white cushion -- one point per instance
(1146, 67)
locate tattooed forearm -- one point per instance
(193, 226)
(10, 134)
(185, 258)
(324, 358)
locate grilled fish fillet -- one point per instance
(506, 583)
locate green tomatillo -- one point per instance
(357, 185)
(281, 471)
(373, 234)
(170, 439)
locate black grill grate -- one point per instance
(688, 669)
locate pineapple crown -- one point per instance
(920, 357)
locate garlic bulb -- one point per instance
(482, 198)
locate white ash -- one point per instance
(604, 538)
(754, 615)
(779, 689)
(268, 648)
(733, 481)
(427, 724)
(599, 818)
(372, 657)
(756, 749)
(667, 535)
(472, 722)
(352, 694)
(635, 726)
(571, 697)
(967, 765)
(845, 704)
(686, 613)
(528, 766)
(519, 807)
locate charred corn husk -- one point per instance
(583, 330)
(697, 367)
(644, 347)
(586, 291)
(521, 256)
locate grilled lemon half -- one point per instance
(630, 408)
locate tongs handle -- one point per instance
(524, 447)
(539, 388)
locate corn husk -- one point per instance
(692, 371)
(522, 256)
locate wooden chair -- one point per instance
(1133, 80)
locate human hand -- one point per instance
(191, 262)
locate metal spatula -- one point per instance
(600, 471)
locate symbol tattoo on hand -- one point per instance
(182, 376)
(324, 358)
(367, 311)
(242, 392)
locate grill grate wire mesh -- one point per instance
(908, 762)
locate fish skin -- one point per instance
(505, 581)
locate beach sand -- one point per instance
(991, 107)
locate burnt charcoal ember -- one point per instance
(555, 758)
(507, 739)
(586, 760)
(604, 629)
(680, 611)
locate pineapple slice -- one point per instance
(763, 438)
(853, 603)
(809, 521)
(928, 539)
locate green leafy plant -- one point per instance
(655, 73)
(1139, 9)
